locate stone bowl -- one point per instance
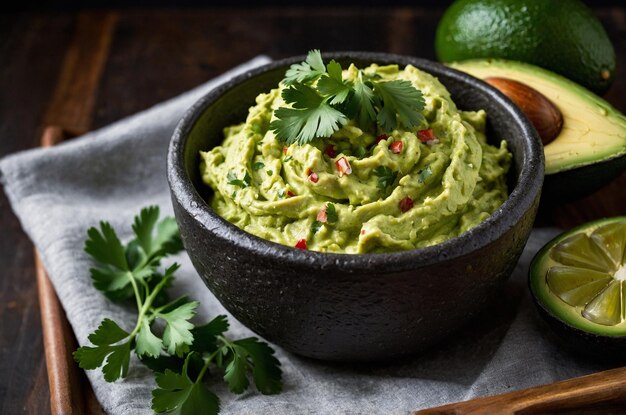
(345, 307)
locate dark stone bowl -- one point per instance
(342, 306)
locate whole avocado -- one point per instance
(563, 36)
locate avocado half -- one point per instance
(579, 334)
(590, 149)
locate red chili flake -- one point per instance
(343, 166)
(313, 177)
(362, 231)
(406, 204)
(322, 216)
(396, 147)
(381, 138)
(301, 244)
(330, 151)
(426, 135)
(285, 150)
(290, 193)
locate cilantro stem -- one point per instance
(206, 365)
(135, 289)
(163, 307)
(147, 304)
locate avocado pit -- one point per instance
(545, 116)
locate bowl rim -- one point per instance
(520, 200)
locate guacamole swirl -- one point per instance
(360, 191)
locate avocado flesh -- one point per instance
(593, 131)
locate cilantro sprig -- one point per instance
(164, 338)
(386, 177)
(321, 102)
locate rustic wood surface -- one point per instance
(155, 54)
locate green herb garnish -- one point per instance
(258, 165)
(243, 183)
(331, 213)
(386, 177)
(424, 174)
(316, 225)
(163, 337)
(286, 159)
(322, 101)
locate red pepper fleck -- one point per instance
(396, 147)
(343, 166)
(301, 244)
(313, 177)
(381, 138)
(285, 150)
(406, 204)
(322, 216)
(426, 135)
(290, 193)
(330, 151)
(362, 231)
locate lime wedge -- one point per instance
(579, 277)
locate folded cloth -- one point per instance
(111, 173)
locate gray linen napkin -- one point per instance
(111, 173)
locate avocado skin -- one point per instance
(606, 349)
(560, 35)
(574, 184)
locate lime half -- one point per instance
(579, 277)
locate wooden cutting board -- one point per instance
(70, 113)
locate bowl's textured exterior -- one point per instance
(341, 306)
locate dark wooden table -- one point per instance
(155, 54)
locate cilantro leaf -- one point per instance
(258, 165)
(424, 174)
(114, 284)
(146, 342)
(235, 372)
(266, 370)
(361, 105)
(386, 177)
(401, 104)
(117, 359)
(178, 394)
(177, 334)
(117, 362)
(303, 125)
(360, 151)
(144, 225)
(205, 336)
(105, 247)
(316, 226)
(333, 86)
(167, 240)
(331, 213)
(107, 333)
(310, 117)
(306, 71)
(243, 183)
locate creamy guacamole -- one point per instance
(360, 191)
